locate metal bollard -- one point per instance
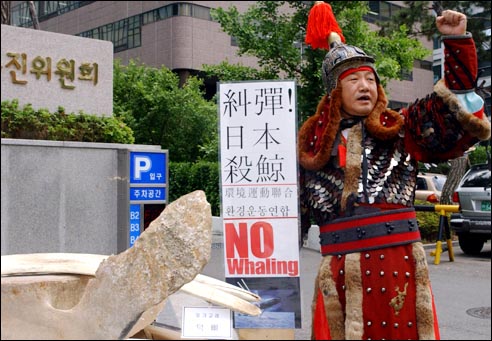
(443, 228)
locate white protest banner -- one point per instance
(258, 168)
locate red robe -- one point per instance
(373, 286)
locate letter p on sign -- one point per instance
(142, 165)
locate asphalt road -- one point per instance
(462, 293)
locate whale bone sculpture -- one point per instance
(87, 296)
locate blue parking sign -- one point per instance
(147, 168)
(135, 222)
(147, 194)
(148, 185)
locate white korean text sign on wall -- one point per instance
(258, 165)
(49, 70)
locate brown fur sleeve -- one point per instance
(317, 134)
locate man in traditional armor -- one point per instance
(359, 163)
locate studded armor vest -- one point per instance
(388, 176)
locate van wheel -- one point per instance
(470, 244)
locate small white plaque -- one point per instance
(207, 322)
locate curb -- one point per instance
(444, 246)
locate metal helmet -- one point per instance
(340, 58)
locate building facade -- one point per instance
(182, 36)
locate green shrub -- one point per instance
(480, 154)
(429, 223)
(186, 177)
(27, 123)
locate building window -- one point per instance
(406, 75)
(184, 10)
(381, 11)
(484, 68)
(21, 16)
(423, 64)
(437, 72)
(201, 12)
(436, 42)
(150, 17)
(487, 106)
(395, 105)
(125, 34)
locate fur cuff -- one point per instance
(476, 127)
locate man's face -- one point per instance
(359, 93)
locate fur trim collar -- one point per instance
(353, 164)
(315, 150)
(383, 123)
(311, 156)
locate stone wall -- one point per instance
(65, 196)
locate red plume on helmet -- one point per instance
(317, 135)
(323, 32)
(321, 22)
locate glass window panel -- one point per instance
(201, 12)
(436, 42)
(384, 10)
(105, 33)
(437, 72)
(175, 9)
(130, 41)
(374, 6)
(137, 39)
(165, 12)
(148, 18)
(185, 10)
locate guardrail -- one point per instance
(443, 229)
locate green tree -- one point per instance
(421, 21)
(236, 72)
(160, 112)
(275, 36)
